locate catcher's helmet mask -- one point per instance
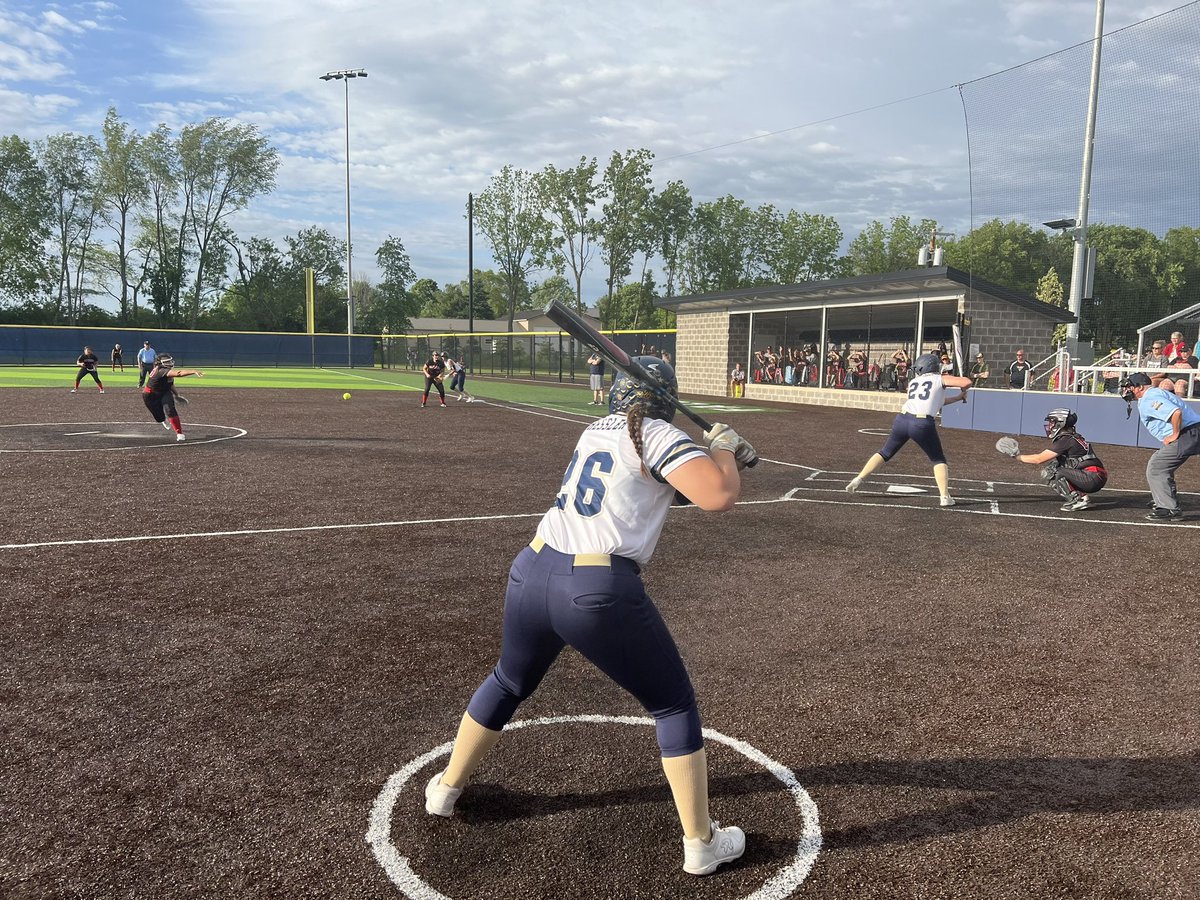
(627, 391)
(927, 364)
(1058, 421)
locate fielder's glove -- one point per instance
(722, 437)
(1008, 446)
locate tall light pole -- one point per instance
(345, 75)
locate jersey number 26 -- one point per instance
(590, 488)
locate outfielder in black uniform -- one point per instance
(159, 393)
(435, 371)
(117, 358)
(1070, 466)
(87, 366)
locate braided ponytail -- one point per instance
(633, 422)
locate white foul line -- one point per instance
(780, 885)
(252, 531)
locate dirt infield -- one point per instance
(993, 700)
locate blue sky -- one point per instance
(457, 90)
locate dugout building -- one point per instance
(914, 310)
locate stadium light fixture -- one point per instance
(345, 75)
(1060, 224)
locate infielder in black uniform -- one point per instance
(159, 393)
(87, 366)
(1071, 467)
(435, 371)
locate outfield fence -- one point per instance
(520, 354)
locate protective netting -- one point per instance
(1026, 130)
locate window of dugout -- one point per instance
(860, 346)
(783, 347)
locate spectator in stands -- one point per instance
(979, 372)
(774, 373)
(835, 374)
(1176, 349)
(1177, 382)
(1156, 359)
(901, 360)
(856, 367)
(1016, 371)
(947, 366)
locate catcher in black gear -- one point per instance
(1070, 465)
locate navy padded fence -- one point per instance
(25, 345)
(1103, 418)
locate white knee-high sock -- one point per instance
(688, 777)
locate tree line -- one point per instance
(142, 220)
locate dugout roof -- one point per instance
(890, 286)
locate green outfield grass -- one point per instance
(566, 397)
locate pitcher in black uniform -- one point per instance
(1070, 466)
(159, 394)
(87, 366)
(435, 371)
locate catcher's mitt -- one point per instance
(1008, 446)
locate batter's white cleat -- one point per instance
(703, 857)
(854, 485)
(180, 437)
(440, 799)
(946, 501)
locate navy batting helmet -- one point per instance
(628, 391)
(927, 364)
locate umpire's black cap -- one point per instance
(1138, 379)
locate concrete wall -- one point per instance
(888, 401)
(1001, 328)
(703, 347)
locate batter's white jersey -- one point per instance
(606, 503)
(925, 394)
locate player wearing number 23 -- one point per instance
(916, 422)
(579, 583)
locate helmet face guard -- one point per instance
(1058, 421)
(627, 392)
(165, 361)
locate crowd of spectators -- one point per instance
(841, 366)
(1166, 364)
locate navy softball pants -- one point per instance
(922, 430)
(605, 614)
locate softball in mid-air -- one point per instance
(346, 396)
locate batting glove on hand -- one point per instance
(722, 437)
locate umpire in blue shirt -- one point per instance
(1174, 423)
(145, 361)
